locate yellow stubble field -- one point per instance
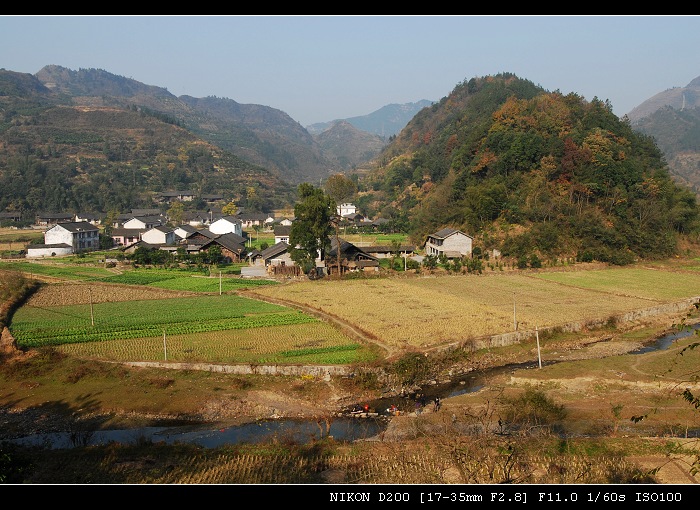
(427, 311)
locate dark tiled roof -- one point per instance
(388, 249)
(283, 230)
(78, 226)
(274, 250)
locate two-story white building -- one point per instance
(449, 242)
(282, 234)
(80, 235)
(346, 209)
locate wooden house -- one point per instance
(352, 258)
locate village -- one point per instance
(232, 236)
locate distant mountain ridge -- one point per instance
(672, 118)
(103, 153)
(262, 139)
(349, 147)
(386, 122)
(678, 98)
(260, 134)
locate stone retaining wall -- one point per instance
(323, 371)
(515, 337)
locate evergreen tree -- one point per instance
(312, 227)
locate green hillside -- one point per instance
(58, 156)
(531, 173)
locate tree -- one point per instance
(106, 241)
(340, 188)
(395, 251)
(176, 212)
(229, 209)
(309, 236)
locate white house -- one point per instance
(184, 231)
(159, 235)
(143, 222)
(250, 220)
(197, 218)
(282, 234)
(80, 236)
(449, 242)
(347, 208)
(92, 218)
(227, 225)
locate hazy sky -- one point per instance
(322, 68)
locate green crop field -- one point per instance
(193, 309)
(208, 328)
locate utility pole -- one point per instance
(539, 356)
(92, 314)
(515, 321)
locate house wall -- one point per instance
(458, 242)
(432, 248)
(58, 235)
(226, 227)
(134, 223)
(158, 237)
(282, 259)
(48, 252)
(346, 208)
(234, 256)
(125, 240)
(80, 241)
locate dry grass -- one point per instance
(72, 293)
(429, 311)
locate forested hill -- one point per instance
(531, 172)
(258, 134)
(92, 155)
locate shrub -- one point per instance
(411, 368)
(532, 409)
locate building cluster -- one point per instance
(198, 232)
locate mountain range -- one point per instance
(261, 153)
(527, 171)
(386, 122)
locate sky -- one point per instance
(323, 68)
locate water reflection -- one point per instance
(280, 430)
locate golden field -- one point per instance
(427, 311)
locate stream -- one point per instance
(345, 428)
